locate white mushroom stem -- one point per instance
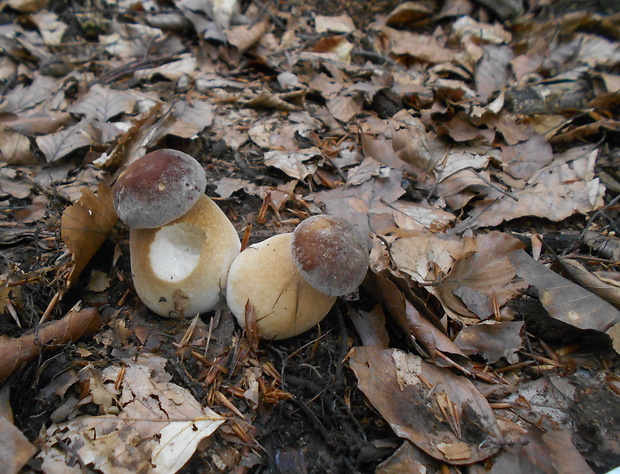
(285, 304)
(181, 268)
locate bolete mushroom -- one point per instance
(292, 280)
(181, 243)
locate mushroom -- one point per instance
(292, 280)
(181, 243)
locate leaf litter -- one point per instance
(461, 137)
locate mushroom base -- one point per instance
(286, 305)
(180, 269)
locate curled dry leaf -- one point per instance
(16, 351)
(243, 37)
(85, 226)
(455, 424)
(563, 299)
(335, 24)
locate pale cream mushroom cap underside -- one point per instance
(184, 262)
(286, 305)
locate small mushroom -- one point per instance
(292, 280)
(181, 243)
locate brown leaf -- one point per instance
(22, 98)
(15, 449)
(454, 423)
(476, 279)
(157, 430)
(424, 47)
(335, 24)
(563, 299)
(104, 103)
(492, 340)
(58, 145)
(592, 282)
(423, 329)
(243, 37)
(85, 226)
(524, 159)
(75, 324)
(410, 141)
(566, 186)
(15, 149)
(493, 70)
(538, 451)
(370, 326)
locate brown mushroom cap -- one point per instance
(285, 304)
(158, 188)
(330, 254)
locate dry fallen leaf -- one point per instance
(85, 226)
(104, 103)
(493, 340)
(591, 282)
(476, 279)
(159, 426)
(15, 449)
(563, 299)
(538, 451)
(446, 416)
(58, 145)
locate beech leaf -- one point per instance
(563, 299)
(85, 226)
(393, 379)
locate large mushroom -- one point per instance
(292, 280)
(181, 243)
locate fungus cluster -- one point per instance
(185, 253)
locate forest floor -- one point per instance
(476, 143)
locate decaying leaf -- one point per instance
(563, 299)
(292, 163)
(455, 424)
(85, 226)
(159, 426)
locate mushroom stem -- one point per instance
(285, 304)
(180, 269)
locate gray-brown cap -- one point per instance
(330, 254)
(158, 188)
